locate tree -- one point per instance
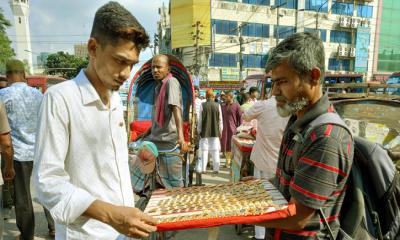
(5, 44)
(65, 64)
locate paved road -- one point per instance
(226, 232)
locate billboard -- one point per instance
(362, 45)
(184, 16)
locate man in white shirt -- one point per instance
(81, 171)
(270, 127)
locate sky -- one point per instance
(56, 25)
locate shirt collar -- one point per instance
(320, 107)
(89, 94)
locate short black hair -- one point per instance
(197, 88)
(113, 22)
(253, 89)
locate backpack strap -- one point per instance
(326, 118)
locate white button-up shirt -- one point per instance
(270, 127)
(81, 155)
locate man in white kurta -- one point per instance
(270, 127)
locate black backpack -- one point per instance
(371, 208)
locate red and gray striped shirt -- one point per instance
(318, 178)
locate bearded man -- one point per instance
(315, 180)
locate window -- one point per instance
(364, 11)
(225, 27)
(254, 60)
(322, 32)
(339, 64)
(286, 3)
(340, 37)
(315, 5)
(284, 31)
(223, 60)
(255, 30)
(342, 8)
(257, 2)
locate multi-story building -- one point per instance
(245, 30)
(387, 49)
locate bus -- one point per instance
(42, 82)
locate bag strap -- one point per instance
(322, 216)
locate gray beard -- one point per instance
(291, 108)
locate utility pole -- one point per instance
(240, 53)
(196, 38)
(277, 19)
(317, 15)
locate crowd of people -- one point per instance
(73, 140)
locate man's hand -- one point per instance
(183, 145)
(9, 173)
(126, 220)
(132, 222)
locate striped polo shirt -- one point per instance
(318, 179)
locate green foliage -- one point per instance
(65, 64)
(5, 44)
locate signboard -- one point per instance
(222, 85)
(362, 45)
(184, 16)
(229, 74)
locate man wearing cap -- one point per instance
(22, 105)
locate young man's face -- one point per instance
(160, 68)
(289, 90)
(113, 64)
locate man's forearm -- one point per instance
(178, 121)
(100, 211)
(8, 155)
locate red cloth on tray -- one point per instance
(205, 223)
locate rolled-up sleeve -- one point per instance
(51, 182)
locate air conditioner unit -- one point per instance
(342, 51)
(352, 52)
(354, 22)
(342, 21)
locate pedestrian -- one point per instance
(264, 155)
(196, 157)
(22, 104)
(210, 130)
(246, 102)
(232, 118)
(81, 170)
(253, 92)
(312, 177)
(7, 152)
(167, 125)
(239, 97)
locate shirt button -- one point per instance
(121, 124)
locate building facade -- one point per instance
(80, 50)
(244, 31)
(387, 51)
